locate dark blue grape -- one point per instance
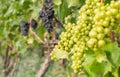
(46, 15)
(24, 27)
(34, 24)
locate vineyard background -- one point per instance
(23, 56)
(31, 56)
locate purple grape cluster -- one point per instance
(34, 24)
(47, 15)
(24, 26)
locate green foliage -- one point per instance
(103, 63)
(106, 61)
(72, 3)
(112, 51)
(94, 68)
(57, 2)
(12, 12)
(107, 1)
(64, 8)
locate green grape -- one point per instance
(77, 58)
(93, 34)
(91, 42)
(101, 43)
(105, 23)
(99, 29)
(107, 31)
(100, 36)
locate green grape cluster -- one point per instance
(78, 56)
(106, 19)
(92, 30)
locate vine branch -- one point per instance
(44, 67)
(33, 33)
(9, 64)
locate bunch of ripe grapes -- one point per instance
(96, 26)
(24, 26)
(46, 14)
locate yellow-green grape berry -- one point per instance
(65, 44)
(93, 34)
(91, 42)
(100, 36)
(66, 48)
(99, 29)
(107, 31)
(101, 43)
(105, 23)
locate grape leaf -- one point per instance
(116, 73)
(63, 10)
(113, 55)
(60, 54)
(100, 56)
(107, 67)
(88, 63)
(72, 3)
(57, 2)
(94, 68)
(30, 40)
(82, 2)
(107, 1)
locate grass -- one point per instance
(29, 65)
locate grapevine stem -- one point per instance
(112, 37)
(32, 32)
